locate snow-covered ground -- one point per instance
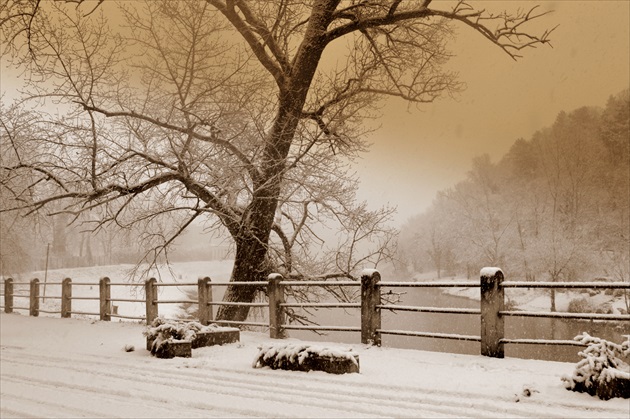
(52, 367)
(184, 272)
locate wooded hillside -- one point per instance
(555, 207)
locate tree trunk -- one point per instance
(249, 265)
(256, 222)
(250, 262)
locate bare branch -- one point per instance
(212, 138)
(229, 11)
(507, 35)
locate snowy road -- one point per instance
(77, 368)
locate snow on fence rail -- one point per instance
(491, 309)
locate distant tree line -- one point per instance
(555, 207)
(27, 241)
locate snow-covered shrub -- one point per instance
(300, 357)
(602, 372)
(580, 305)
(162, 330)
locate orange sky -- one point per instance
(417, 153)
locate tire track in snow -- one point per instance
(363, 403)
(492, 406)
(450, 396)
(135, 398)
(65, 365)
(261, 393)
(149, 406)
(50, 408)
(450, 403)
(17, 414)
(409, 401)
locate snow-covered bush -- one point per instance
(300, 357)
(580, 305)
(602, 372)
(162, 330)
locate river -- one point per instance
(465, 324)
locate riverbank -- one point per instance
(537, 299)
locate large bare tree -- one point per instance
(240, 112)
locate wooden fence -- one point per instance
(492, 305)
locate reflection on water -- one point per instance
(465, 324)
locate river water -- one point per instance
(464, 324)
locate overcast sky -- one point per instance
(417, 153)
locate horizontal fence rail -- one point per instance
(491, 311)
(322, 328)
(243, 323)
(322, 305)
(431, 284)
(577, 316)
(451, 336)
(592, 284)
(542, 342)
(429, 309)
(320, 283)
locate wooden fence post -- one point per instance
(66, 298)
(276, 312)
(34, 306)
(370, 314)
(105, 295)
(8, 295)
(492, 327)
(150, 292)
(204, 291)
